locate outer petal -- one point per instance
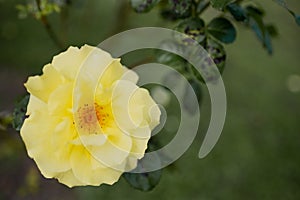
(35, 104)
(82, 169)
(150, 112)
(130, 75)
(139, 147)
(69, 62)
(36, 133)
(112, 73)
(134, 109)
(69, 179)
(114, 151)
(121, 95)
(42, 86)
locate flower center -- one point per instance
(88, 120)
(104, 116)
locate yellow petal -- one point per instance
(150, 112)
(139, 147)
(121, 95)
(114, 151)
(35, 104)
(90, 140)
(42, 86)
(82, 169)
(38, 141)
(92, 69)
(60, 101)
(130, 75)
(69, 62)
(112, 73)
(80, 162)
(69, 179)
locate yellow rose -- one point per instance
(81, 140)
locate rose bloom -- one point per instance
(84, 140)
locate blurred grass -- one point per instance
(257, 154)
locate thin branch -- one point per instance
(48, 27)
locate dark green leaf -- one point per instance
(143, 5)
(262, 35)
(194, 28)
(222, 29)
(169, 14)
(169, 58)
(143, 181)
(216, 56)
(217, 53)
(237, 12)
(255, 11)
(260, 29)
(272, 30)
(180, 6)
(174, 10)
(148, 180)
(220, 4)
(256, 15)
(284, 5)
(19, 113)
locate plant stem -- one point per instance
(48, 27)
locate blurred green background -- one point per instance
(257, 156)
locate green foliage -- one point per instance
(141, 6)
(217, 53)
(173, 10)
(193, 27)
(38, 8)
(170, 59)
(255, 21)
(148, 180)
(237, 12)
(284, 4)
(143, 181)
(19, 113)
(181, 6)
(219, 4)
(253, 17)
(222, 30)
